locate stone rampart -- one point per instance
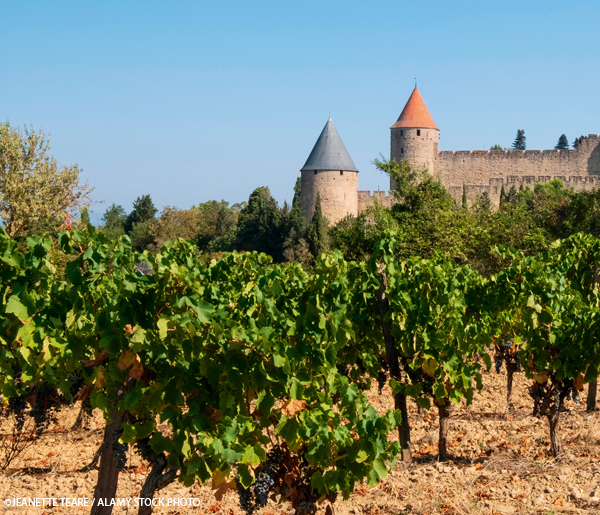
(366, 199)
(479, 166)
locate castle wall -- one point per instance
(478, 171)
(366, 199)
(338, 191)
(479, 166)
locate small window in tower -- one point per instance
(402, 151)
(341, 172)
(418, 132)
(315, 172)
(401, 133)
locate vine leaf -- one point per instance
(293, 406)
(101, 358)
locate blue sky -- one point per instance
(193, 101)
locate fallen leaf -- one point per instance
(559, 502)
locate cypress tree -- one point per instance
(563, 143)
(317, 231)
(143, 211)
(519, 143)
(502, 195)
(464, 198)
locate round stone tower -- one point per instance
(415, 136)
(330, 173)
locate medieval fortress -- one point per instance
(330, 172)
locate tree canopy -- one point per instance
(35, 194)
(519, 143)
(563, 143)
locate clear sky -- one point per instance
(194, 100)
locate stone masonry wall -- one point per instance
(481, 171)
(338, 191)
(418, 146)
(366, 199)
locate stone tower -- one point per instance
(415, 136)
(329, 172)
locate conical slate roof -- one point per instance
(329, 152)
(415, 114)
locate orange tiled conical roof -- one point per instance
(415, 114)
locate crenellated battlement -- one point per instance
(367, 198)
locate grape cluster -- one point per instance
(554, 393)
(43, 406)
(246, 497)
(498, 362)
(17, 406)
(427, 384)
(509, 354)
(119, 449)
(382, 375)
(146, 452)
(258, 494)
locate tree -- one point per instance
(143, 211)
(295, 247)
(114, 219)
(563, 143)
(519, 143)
(84, 218)
(35, 194)
(215, 220)
(577, 142)
(497, 147)
(318, 241)
(259, 225)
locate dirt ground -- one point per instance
(501, 465)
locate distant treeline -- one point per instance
(425, 217)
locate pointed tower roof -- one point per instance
(329, 152)
(415, 114)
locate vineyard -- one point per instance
(269, 383)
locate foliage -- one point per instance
(143, 212)
(215, 220)
(519, 143)
(316, 233)
(114, 219)
(563, 143)
(259, 225)
(35, 194)
(497, 147)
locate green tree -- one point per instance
(497, 147)
(35, 194)
(519, 143)
(295, 246)
(563, 143)
(259, 225)
(318, 240)
(215, 220)
(114, 221)
(84, 218)
(577, 142)
(143, 211)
